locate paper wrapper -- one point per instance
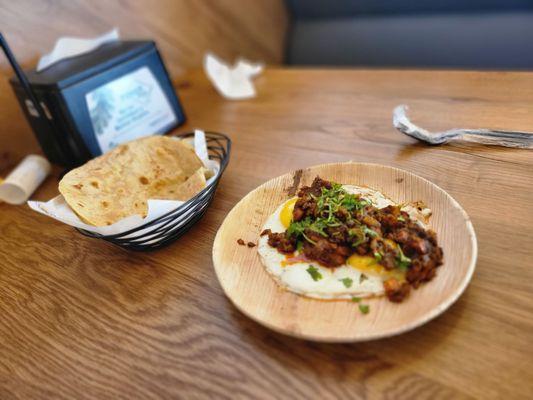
(58, 209)
(25, 178)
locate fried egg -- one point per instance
(360, 276)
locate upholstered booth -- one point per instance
(475, 34)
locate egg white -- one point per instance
(296, 278)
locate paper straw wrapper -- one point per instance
(24, 179)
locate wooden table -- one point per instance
(82, 319)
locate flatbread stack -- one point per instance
(119, 183)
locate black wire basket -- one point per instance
(170, 226)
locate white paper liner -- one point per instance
(58, 209)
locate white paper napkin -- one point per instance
(234, 82)
(73, 46)
(58, 209)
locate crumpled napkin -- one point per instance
(232, 82)
(73, 46)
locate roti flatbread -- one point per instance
(185, 190)
(118, 183)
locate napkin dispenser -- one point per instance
(94, 101)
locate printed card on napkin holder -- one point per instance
(115, 91)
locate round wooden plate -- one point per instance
(257, 295)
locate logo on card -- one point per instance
(127, 108)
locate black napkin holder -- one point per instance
(97, 100)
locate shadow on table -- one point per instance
(410, 150)
(338, 358)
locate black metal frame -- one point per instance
(170, 226)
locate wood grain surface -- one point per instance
(83, 319)
(254, 291)
(184, 31)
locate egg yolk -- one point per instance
(285, 216)
(370, 266)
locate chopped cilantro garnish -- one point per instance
(358, 234)
(402, 261)
(352, 202)
(362, 233)
(347, 282)
(318, 226)
(364, 308)
(358, 242)
(370, 232)
(299, 245)
(308, 239)
(314, 272)
(401, 218)
(297, 229)
(378, 256)
(335, 201)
